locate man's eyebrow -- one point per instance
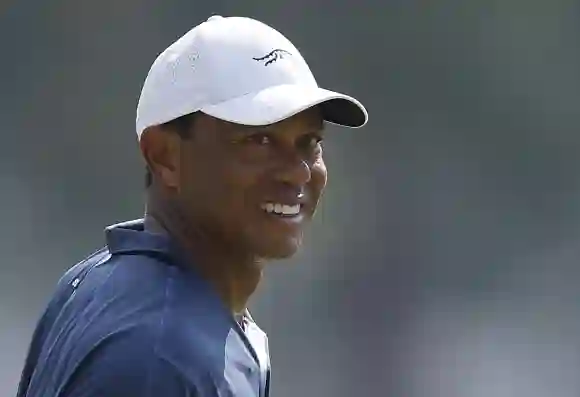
(238, 129)
(316, 130)
(242, 129)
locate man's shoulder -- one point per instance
(105, 294)
(160, 300)
(110, 292)
(128, 308)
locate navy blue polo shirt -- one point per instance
(132, 320)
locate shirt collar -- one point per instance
(131, 237)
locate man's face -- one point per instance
(253, 188)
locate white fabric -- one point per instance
(240, 70)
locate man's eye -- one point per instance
(311, 142)
(259, 139)
(316, 141)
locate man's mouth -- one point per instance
(280, 209)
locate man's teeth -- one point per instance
(281, 209)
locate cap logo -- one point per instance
(273, 56)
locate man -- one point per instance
(230, 123)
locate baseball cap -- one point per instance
(239, 70)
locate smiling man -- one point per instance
(230, 123)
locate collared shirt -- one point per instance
(134, 320)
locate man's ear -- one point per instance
(160, 149)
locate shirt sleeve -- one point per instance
(127, 366)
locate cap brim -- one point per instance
(278, 103)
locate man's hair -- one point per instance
(180, 126)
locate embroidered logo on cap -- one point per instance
(273, 56)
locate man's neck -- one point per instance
(234, 279)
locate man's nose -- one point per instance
(293, 169)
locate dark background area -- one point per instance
(444, 262)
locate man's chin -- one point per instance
(280, 249)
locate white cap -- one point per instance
(238, 70)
